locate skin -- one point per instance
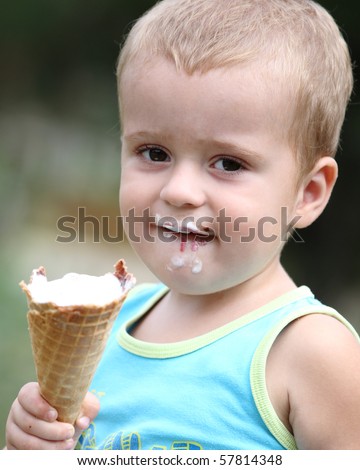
(192, 146)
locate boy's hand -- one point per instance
(32, 422)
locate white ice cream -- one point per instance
(75, 289)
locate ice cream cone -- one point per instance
(68, 342)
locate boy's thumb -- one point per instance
(89, 410)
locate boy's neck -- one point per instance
(178, 317)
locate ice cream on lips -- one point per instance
(191, 237)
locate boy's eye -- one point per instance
(154, 154)
(228, 164)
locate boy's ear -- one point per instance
(315, 191)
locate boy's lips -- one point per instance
(189, 228)
(185, 230)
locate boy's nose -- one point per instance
(184, 187)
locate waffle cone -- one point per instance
(67, 344)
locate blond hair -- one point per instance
(299, 37)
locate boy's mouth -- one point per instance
(190, 237)
(186, 232)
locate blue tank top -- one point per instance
(204, 393)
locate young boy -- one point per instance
(231, 114)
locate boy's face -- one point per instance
(206, 154)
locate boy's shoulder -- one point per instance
(318, 357)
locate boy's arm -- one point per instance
(32, 422)
(323, 370)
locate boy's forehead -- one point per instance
(268, 87)
(267, 73)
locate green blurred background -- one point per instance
(59, 150)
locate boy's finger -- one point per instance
(17, 439)
(31, 425)
(31, 400)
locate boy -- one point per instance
(231, 114)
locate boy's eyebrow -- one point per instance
(236, 149)
(140, 135)
(229, 147)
